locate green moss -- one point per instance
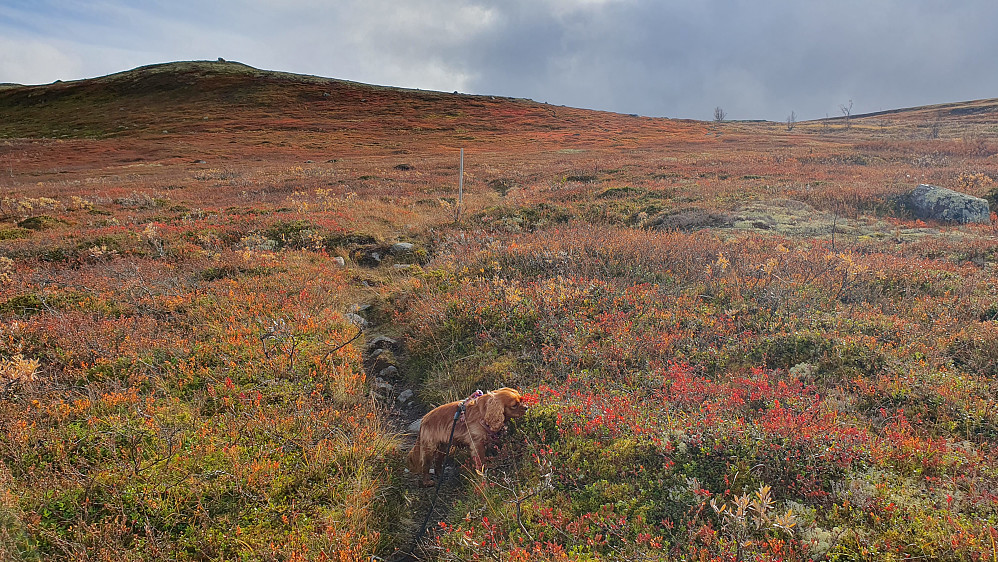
(349, 240)
(14, 233)
(41, 222)
(293, 234)
(24, 305)
(618, 192)
(525, 218)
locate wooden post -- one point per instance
(460, 186)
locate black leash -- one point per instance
(440, 480)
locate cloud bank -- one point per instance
(757, 60)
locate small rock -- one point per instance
(357, 320)
(359, 307)
(309, 162)
(401, 248)
(367, 257)
(377, 353)
(414, 426)
(381, 363)
(200, 162)
(340, 261)
(389, 371)
(405, 396)
(382, 384)
(382, 342)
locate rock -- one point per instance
(945, 205)
(389, 371)
(382, 363)
(357, 320)
(401, 248)
(405, 396)
(340, 261)
(382, 342)
(414, 426)
(382, 384)
(359, 307)
(367, 257)
(197, 161)
(377, 353)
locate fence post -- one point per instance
(460, 186)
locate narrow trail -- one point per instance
(385, 361)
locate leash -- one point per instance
(458, 414)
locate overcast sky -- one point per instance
(757, 59)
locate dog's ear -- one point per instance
(494, 412)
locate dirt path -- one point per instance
(385, 360)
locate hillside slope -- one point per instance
(201, 96)
(702, 316)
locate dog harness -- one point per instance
(464, 403)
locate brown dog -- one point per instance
(484, 417)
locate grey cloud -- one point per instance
(653, 57)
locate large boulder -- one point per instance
(945, 205)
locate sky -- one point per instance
(756, 59)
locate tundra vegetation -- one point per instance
(736, 347)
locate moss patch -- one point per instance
(41, 222)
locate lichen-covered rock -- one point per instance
(401, 248)
(945, 205)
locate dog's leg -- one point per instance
(438, 463)
(429, 459)
(418, 464)
(478, 454)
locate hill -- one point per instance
(212, 97)
(734, 341)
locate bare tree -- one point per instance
(719, 115)
(791, 121)
(847, 113)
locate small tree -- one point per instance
(847, 113)
(719, 115)
(791, 121)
